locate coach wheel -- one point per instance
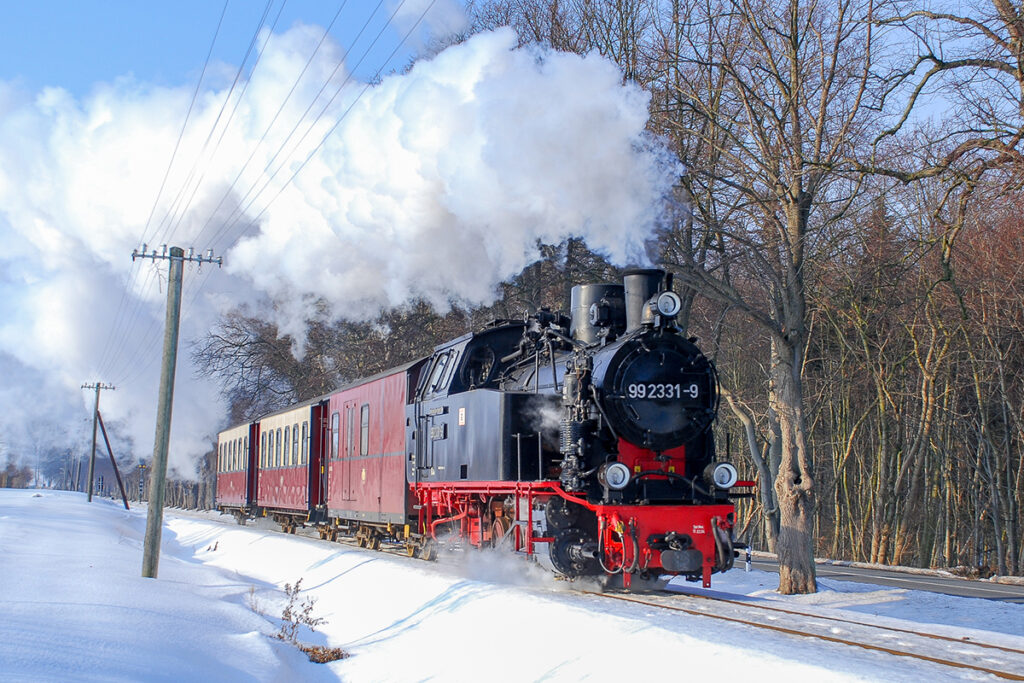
(429, 551)
(373, 542)
(332, 535)
(498, 530)
(410, 549)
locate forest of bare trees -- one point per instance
(849, 234)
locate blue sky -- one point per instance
(75, 44)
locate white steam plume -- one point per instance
(437, 183)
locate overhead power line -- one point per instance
(116, 327)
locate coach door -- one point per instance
(323, 439)
(312, 445)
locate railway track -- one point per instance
(1003, 661)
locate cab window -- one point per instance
(437, 373)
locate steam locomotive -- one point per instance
(583, 441)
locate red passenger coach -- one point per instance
(366, 464)
(235, 471)
(289, 484)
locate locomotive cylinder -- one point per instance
(640, 285)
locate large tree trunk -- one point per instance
(794, 485)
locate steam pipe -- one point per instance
(445, 520)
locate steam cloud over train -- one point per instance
(583, 441)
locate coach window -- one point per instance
(364, 429)
(296, 460)
(335, 435)
(234, 449)
(245, 454)
(270, 449)
(287, 446)
(350, 431)
(278, 447)
(238, 453)
(305, 442)
(263, 449)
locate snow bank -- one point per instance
(74, 608)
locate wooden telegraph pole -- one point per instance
(95, 414)
(158, 472)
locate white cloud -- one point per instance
(436, 183)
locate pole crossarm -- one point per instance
(165, 255)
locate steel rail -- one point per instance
(832, 639)
(894, 629)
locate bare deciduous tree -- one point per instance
(776, 96)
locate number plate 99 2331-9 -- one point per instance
(659, 390)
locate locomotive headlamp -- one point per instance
(615, 475)
(724, 475)
(669, 304)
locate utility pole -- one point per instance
(158, 473)
(95, 413)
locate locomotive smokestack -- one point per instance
(641, 284)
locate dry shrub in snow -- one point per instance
(297, 614)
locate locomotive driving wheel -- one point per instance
(499, 528)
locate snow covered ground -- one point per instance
(74, 607)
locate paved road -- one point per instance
(920, 582)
